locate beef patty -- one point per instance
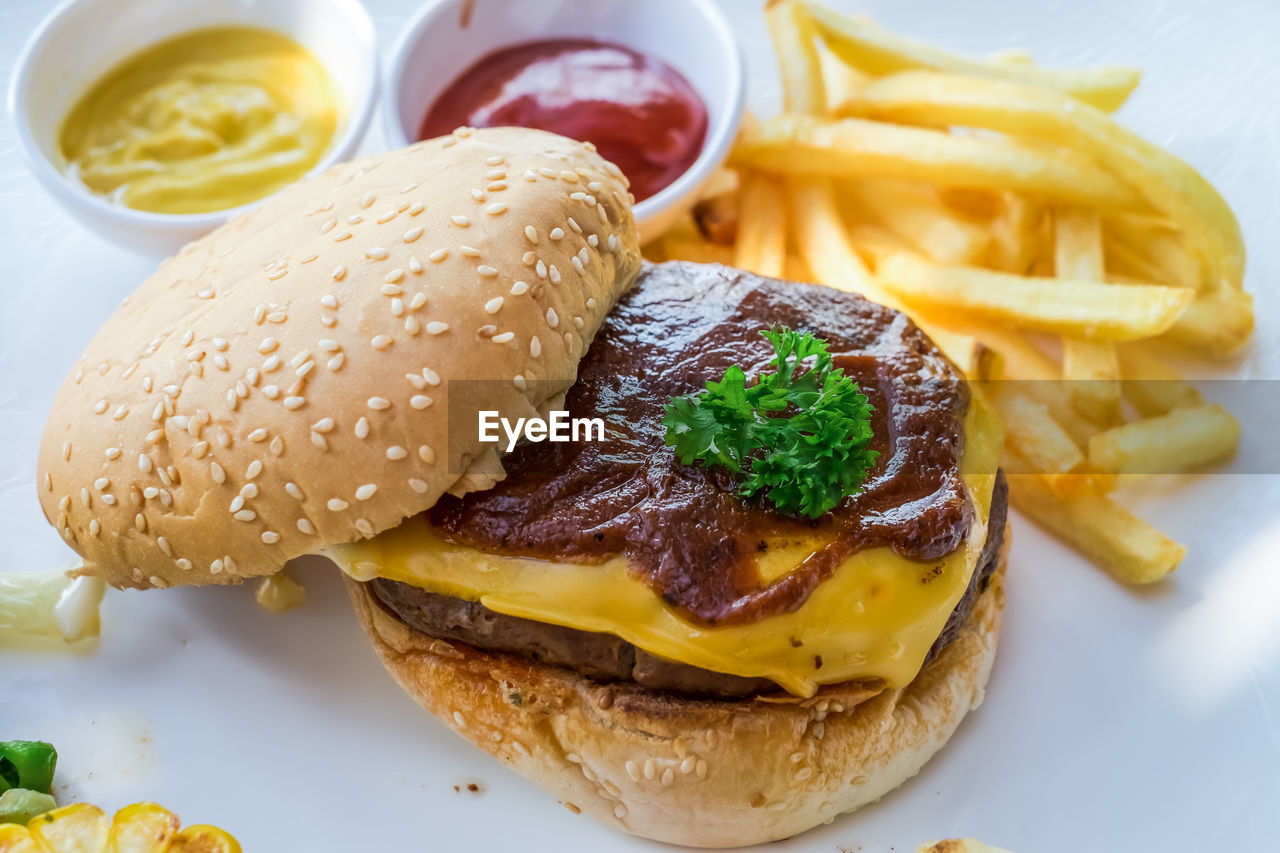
(604, 657)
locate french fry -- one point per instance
(841, 80)
(875, 243)
(1159, 243)
(1150, 385)
(1130, 549)
(1181, 440)
(1015, 238)
(762, 226)
(716, 218)
(790, 28)
(682, 248)
(1090, 368)
(817, 146)
(826, 249)
(874, 50)
(917, 216)
(1168, 184)
(1217, 323)
(1032, 431)
(1091, 310)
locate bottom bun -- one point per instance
(706, 773)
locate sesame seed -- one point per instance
(376, 253)
(270, 537)
(519, 288)
(271, 364)
(496, 209)
(496, 186)
(337, 504)
(416, 208)
(355, 219)
(478, 195)
(366, 491)
(154, 436)
(100, 407)
(495, 160)
(531, 234)
(426, 454)
(249, 490)
(408, 188)
(293, 490)
(486, 271)
(306, 527)
(546, 172)
(277, 317)
(329, 301)
(323, 425)
(418, 300)
(412, 326)
(336, 362)
(254, 469)
(387, 217)
(345, 235)
(216, 472)
(244, 515)
(493, 305)
(577, 264)
(530, 175)
(554, 274)
(553, 319)
(183, 563)
(438, 255)
(365, 528)
(395, 452)
(397, 307)
(394, 276)
(431, 376)
(529, 259)
(460, 220)
(319, 441)
(520, 382)
(259, 434)
(417, 485)
(367, 201)
(420, 401)
(415, 265)
(668, 776)
(504, 337)
(362, 428)
(151, 492)
(435, 327)
(591, 302)
(535, 346)
(328, 226)
(579, 322)
(469, 252)
(541, 269)
(573, 223)
(381, 342)
(379, 403)
(592, 240)
(613, 242)
(164, 546)
(110, 500)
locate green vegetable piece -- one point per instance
(20, 805)
(798, 437)
(27, 764)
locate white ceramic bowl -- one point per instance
(441, 41)
(82, 39)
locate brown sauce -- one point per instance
(683, 529)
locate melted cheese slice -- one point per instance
(876, 616)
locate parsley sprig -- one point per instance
(799, 436)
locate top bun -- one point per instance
(279, 385)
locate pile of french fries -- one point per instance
(1028, 233)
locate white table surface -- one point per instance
(1114, 721)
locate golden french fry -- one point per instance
(1167, 183)
(916, 214)
(681, 248)
(1178, 441)
(1092, 310)
(795, 269)
(716, 217)
(1151, 386)
(816, 146)
(792, 33)
(1090, 368)
(872, 49)
(959, 845)
(840, 80)
(874, 243)
(1032, 431)
(762, 226)
(1158, 243)
(1126, 546)
(824, 245)
(1217, 323)
(1015, 233)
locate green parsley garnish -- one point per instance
(800, 437)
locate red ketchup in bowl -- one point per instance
(639, 112)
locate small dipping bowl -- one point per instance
(446, 37)
(81, 40)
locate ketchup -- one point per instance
(640, 113)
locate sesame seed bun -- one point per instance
(279, 386)
(706, 773)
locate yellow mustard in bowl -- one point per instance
(204, 121)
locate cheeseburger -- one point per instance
(690, 638)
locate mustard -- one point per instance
(201, 122)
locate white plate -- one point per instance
(1114, 721)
